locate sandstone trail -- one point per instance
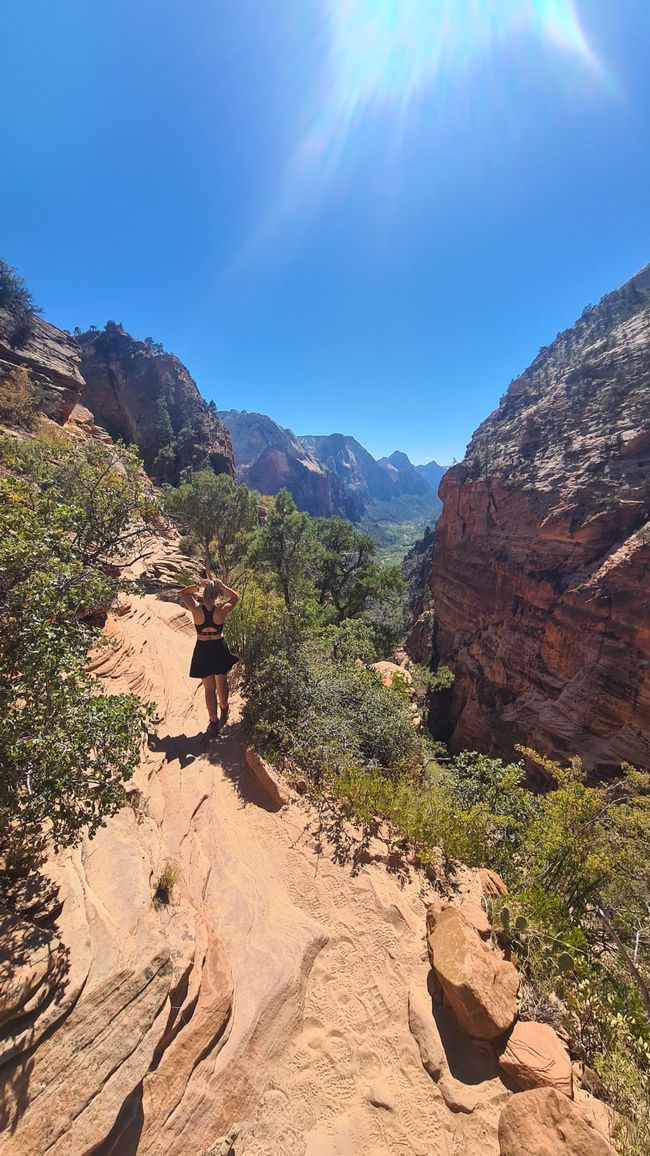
(264, 1010)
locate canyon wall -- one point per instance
(269, 458)
(540, 568)
(147, 397)
(51, 360)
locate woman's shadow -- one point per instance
(184, 748)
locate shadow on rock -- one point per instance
(34, 964)
(182, 748)
(227, 752)
(469, 1061)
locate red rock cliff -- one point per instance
(541, 561)
(146, 396)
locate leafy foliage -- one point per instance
(16, 298)
(217, 513)
(287, 547)
(68, 513)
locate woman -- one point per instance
(211, 659)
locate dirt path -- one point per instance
(319, 1059)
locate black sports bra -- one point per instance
(209, 628)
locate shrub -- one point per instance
(329, 713)
(16, 298)
(188, 546)
(216, 513)
(18, 399)
(167, 881)
(68, 512)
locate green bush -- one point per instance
(18, 399)
(214, 512)
(16, 298)
(69, 513)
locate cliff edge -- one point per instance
(541, 563)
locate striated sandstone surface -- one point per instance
(147, 397)
(267, 1001)
(541, 563)
(535, 1057)
(52, 360)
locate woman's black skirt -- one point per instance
(212, 657)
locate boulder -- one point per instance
(492, 884)
(543, 1122)
(535, 1057)
(477, 917)
(386, 671)
(268, 779)
(478, 983)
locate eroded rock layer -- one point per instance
(541, 562)
(51, 360)
(147, 397)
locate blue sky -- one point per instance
(353, 215)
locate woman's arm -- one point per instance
(188, 601)
(231, 595)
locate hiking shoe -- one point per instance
(224, 714)
(214, 726)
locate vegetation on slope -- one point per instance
(596, 376)
(70, 512)
(18, 302)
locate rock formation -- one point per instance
(269, 458)
(535, 1057)
(406, 479)
(347, 458)
(541, 563)
(51, 359)
(544, 1122)
(147, 397)
(479, 984)
(432, 472)
(268, 999)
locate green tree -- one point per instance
(16, 298)
(69, 513)
(216, 512)
(348, 575)
(288, 546)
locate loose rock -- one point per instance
(492, 884)
(480, 986)
(534, 1057)
(543, 1122)
(268, 779)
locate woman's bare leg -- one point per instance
(222, 690)
(210, 696)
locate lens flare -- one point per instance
(391, 50)
(389, 55)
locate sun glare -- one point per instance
(391, 55)
(391, 50)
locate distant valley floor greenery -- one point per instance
(397, 525)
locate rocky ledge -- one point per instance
(51, 359)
